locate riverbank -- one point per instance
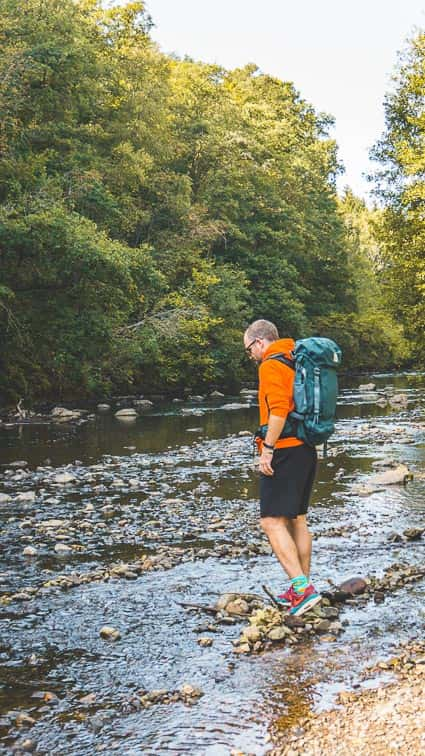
(386, 720)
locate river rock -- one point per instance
(63, 478)
(4, 498)
(367, 387)
(26, 496)
(278, 633)
(216, 395)
(234, 406)
(205, 642)
(30, 551)
(109, 633)
(413, 534)
(24, 746)
(252, 634)
(329, 612)
(399, 474)
(243, 648)
(225, 599)
(129, 412)
(189, 691)
(142, 404)
(62, 548)
(90, 698)
(24, 719)
(322, 625)
(63, 415)
(239, 606)
(353, 586)
(399, 400)
(103, 407)
(53, 523)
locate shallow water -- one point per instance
(174, 480)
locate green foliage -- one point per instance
(151, 207)
(370, 336)
(368, 340)
(72, 289)
(401, 187)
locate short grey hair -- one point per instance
(262, 329)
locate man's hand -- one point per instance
(266, 462)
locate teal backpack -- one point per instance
(315, 361)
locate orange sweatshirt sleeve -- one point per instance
(276, 387)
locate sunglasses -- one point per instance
(249, 347)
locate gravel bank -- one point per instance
(386, 720)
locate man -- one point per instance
(287, 467)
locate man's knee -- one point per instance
(271, 524)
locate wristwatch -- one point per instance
(268, 446)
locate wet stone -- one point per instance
(205, 642)
(413, 534)
(110, 633)
(355, 586)
(278, 633)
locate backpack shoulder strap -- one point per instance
(283, 359)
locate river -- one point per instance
(178, 486)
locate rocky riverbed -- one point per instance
(131, 600)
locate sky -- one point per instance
(340, 55)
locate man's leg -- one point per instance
(278, 531)
(303, 540)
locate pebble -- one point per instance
(63, 478)
(205, 642)
(30, 551)
(62, 548)
(26, 496)
(109, 633)
(126, 413)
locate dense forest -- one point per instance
(150, 207)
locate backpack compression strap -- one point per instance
(283, 359)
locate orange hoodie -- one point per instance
(275, 391)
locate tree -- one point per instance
(401, 188)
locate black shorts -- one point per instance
(287, 492)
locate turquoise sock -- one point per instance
(299, 583)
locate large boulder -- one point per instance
(398, 474)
